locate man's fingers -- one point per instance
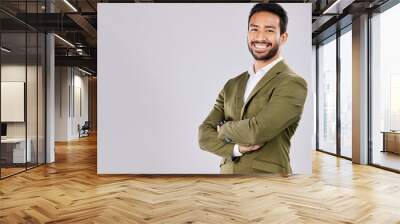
(254, 147)
(249, 148)
(245, 148)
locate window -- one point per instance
(327, 96)
(346, 94)
(385, 89)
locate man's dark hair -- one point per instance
(272, 8)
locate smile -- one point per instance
(261, 46)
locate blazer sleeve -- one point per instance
(284, 108)
(208, 135)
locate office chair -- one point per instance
(84, 130)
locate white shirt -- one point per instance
(254, 78)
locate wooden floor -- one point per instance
(5, 172)
(69, 191)
(387, 159)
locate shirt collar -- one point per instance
(266, 68)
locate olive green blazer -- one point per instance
(268, 118)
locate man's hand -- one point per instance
(244, 149)
(219, 125)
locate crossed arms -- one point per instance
(284, 108)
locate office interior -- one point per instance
(46, 82)
(49, 75)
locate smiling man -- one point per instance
(257, 112)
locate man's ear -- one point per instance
(284, 37)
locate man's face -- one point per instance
(263, 37)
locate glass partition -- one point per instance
(41, 88)
(14, 153)
(32, 95)
(22, 63)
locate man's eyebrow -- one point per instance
(268, 26)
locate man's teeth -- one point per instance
(261, 46)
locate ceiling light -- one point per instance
(5, 50)
(331, 7)
(70, 5)
(338, 6)
(64, 40)
(84, 71)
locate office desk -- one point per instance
(13, 150)
(391, 141)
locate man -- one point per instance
(257, 112)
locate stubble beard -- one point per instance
(270, 54)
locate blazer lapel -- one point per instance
(240, 93)
(272, 73)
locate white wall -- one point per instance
(68, 81)
(160, 68)
(79, 116)
(61, 103)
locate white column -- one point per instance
(50, 92)
(360, 90)
(50, 100)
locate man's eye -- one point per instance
(270, 31)
(253, 29)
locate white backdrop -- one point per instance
(160, 68)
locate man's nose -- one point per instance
(260, 36)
